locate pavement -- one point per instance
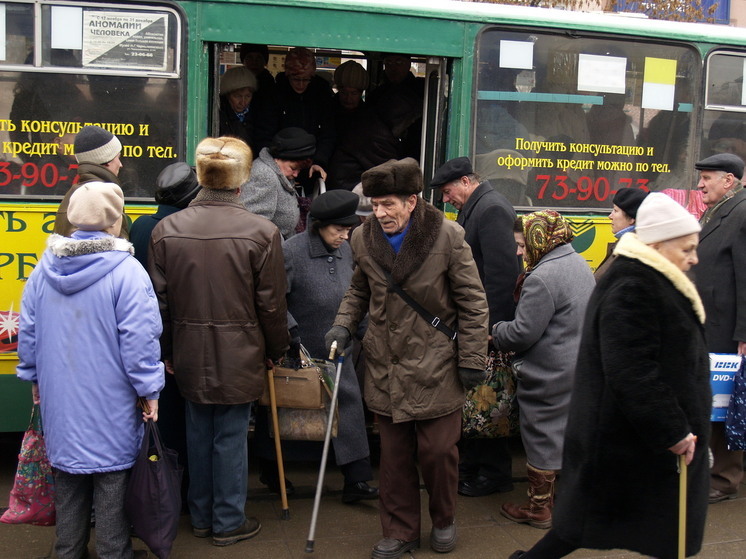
(349, 531)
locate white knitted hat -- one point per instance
(661, 218)
(95, 206)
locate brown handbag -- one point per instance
(299, 388)
(306, 424)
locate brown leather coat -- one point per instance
(219, 274)
(412, 368)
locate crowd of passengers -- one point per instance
(222, 293)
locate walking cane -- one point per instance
(682, 506)
(325, 453)
(285, 515)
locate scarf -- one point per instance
(543, 231)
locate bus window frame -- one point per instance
(38, 39)
(698, 93)
(706, 106)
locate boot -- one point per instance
(538, 511)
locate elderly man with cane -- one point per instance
(426, 341)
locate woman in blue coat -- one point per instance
(88, 340)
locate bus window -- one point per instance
(115, 67)
(724, 127)
(19, 32)
(564, 121)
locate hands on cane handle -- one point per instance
(333, 350)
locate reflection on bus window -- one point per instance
(47, 110)
(582, 117)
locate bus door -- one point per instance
(435, 109)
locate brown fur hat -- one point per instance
(223, 163)
(393, 177)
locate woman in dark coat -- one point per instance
(641, 397)
(318, 263)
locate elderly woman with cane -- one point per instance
(641, 398)
(318, 263)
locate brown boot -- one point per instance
(538, 511)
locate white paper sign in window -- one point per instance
(67, 27)
(659, 84)
(2, 31)
(517, 54)
(603, 74)
(125, 40)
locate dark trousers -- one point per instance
(432, 443)
(487, 457)
(727, 469)
(74, 497)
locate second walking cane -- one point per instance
(278, 448)
(325, 453)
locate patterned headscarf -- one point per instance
(544, 231)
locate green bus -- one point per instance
(558, 109)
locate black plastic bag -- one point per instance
(735, 420)
(153, 498)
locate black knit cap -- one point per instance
(335, 207)
(451, 170)
(726, 162)
(293, 144)
(629, 199)
(94, 144)
(246, 48)
(176, 185)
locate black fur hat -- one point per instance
(393, 177)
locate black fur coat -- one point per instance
(642, 385)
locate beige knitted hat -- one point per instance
(95, 206)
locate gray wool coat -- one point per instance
(545, 335)
(317, 282)
(270, 194)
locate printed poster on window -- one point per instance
(125, 40)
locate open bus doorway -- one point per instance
(402, 110)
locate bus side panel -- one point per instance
(24, 229)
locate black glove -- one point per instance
(294, 351)
(471, 377)
(338, 334)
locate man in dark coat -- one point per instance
(176, 186)
(303, 100)
(721, 282)
(487, 218)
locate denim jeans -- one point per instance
(75, 493)
(218, 464)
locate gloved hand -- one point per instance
(340, 334)
(294, 351)
(471, 377)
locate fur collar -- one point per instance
(424, 228)
(66, 246)
(631, 247)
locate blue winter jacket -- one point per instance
(88, 336)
